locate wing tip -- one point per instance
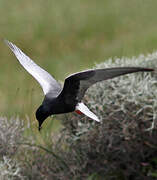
(9, 44)
(6, 41)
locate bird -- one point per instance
(66, 99)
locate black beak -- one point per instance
(39, 128)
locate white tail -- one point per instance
(84, 109)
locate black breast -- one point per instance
(57, 106)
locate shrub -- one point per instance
(11, 134)
(10, 170)
(122, 146)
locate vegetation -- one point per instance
(122, 146)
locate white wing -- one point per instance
(47, 82)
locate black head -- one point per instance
(41, 115)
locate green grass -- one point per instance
(65, 37)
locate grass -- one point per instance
(65, 37)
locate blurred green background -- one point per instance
(65, 37)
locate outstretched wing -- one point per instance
(47, 82)
(76, 85)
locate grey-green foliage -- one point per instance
(126, 136)
(131, 99)
(11, 135)
(10, 169)
(137, 90)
